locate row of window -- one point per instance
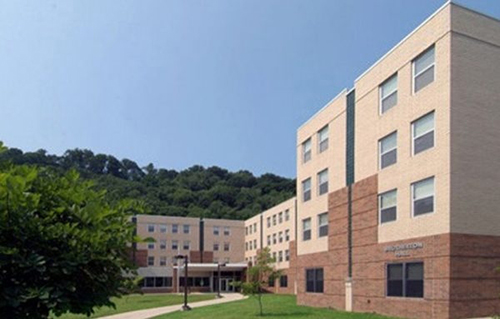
(278, 218)
(283, 279)
(251, 229)
(422, 133)
(186, 229)
(278, 237)
(322, 138)
(423, 69)
(280, 256)
(163, 260)
(402, 280)
(422, 200)
(322, 182)
(250, 245)
(156, 282)
(227, 246)
(322, 222)
(186, 245)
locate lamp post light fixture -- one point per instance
(219, 281)
(186, 260)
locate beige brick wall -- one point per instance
(475, 123)
(371, 126)
(236, 239)
(333, 114)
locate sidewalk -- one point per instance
(153, 312)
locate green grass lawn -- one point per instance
(275, 307)
(138, 302)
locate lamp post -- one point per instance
(185, 257)
(219, 281)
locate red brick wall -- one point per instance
(195, 256)
(141, 258)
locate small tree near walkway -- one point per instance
(258, 275)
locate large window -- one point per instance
(423, 133)
(280, 217)
(314, 280)
(423, 197)
(323, 139)
(163, 261)
(388, 150)
(389, 94)
(151, 260)
(163, 228)
(274, 220)
(283, 281)
(323, 225)
(163, 244)
(175, 245)
(227, 230)
(268, 222)
(175, 228)
(216, 246)
(306, 151)
(269, 240)
(226, 246)
(216, 230)
(306, 190)
(186, 229)
(405, 280)
(306, 229)
(186, 245)
(287, 215)
(423, 69)
(274, 239)
(151, 246)
(287, 255)
(151, 228)
(287, 235)
(323, 182)
(155, 282)
(280, 256)
(280, 237)
(387, 203)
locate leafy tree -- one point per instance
(258, 275)
(62, 247)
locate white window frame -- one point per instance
(380, 206)
(163, 260)
(380, 154)
(320, 225)
(287, 215)
(188, 227)
(151, 246)
(308, 229)
(412, 186)
(163, 228)
(176, 242)
(319, 181)
(228, 245)
(163, 247)
(304, 152)
(427, 68)
(216, 229)
(217, 245)
(176, 227)
(413, 138)
(304, 190)
(188, 245)
(149, 227)
(327, 139)
(227, 231)
(153, 259)
(381, 98)
(287, 234)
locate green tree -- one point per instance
(258, 276)
(62, 247)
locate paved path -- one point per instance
(153, 312)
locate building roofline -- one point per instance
(448, 2)
(324, 107)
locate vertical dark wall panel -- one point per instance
(350, 107)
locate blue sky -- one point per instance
(179, 83)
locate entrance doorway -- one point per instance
(225, 285)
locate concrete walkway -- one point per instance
(153, 312)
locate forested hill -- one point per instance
(211, 192)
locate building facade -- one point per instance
(397, 209)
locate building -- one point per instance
(397, 204)
(275, 229)
(206, 242)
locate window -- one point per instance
(216, 230)
(151, 282)
(186, 245)
(323, 225)
(268, 222)
(250, 245)
(227, 231)
(255, 227)
(251, 230)
(163, 261)
(227, 260)
(280, 236)
(163, 228)
(423, 197)
(269, 240)
(287, 255)
(280, 217)
(274, 256)
(423, 70)
(405, 280)
(283, 281)
(226, 246)
(306, 229)
(287, 235)
(246, 246)
(175, 245)
(323, 182)
(323, 139)
(246, 230)
(388, 150)
(274, 239)
(287, 215)
(306, 151)
(271, 281)
(280, 256)
(151, 228)
(151, 260)
(306, 190)
(151, 245)
(216, 246)
(387, 206)
(255, 243)
(186, 229)
(274, 220)
(423, 133)
(175, 228)
(163, 244)
(388, 94)
(314, 280)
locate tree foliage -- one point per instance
(211, 192)
(258, 275)
(62, 246)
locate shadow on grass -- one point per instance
(283, 314)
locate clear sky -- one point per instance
(178, 83)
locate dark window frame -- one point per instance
(404, 279)
(315, 285)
